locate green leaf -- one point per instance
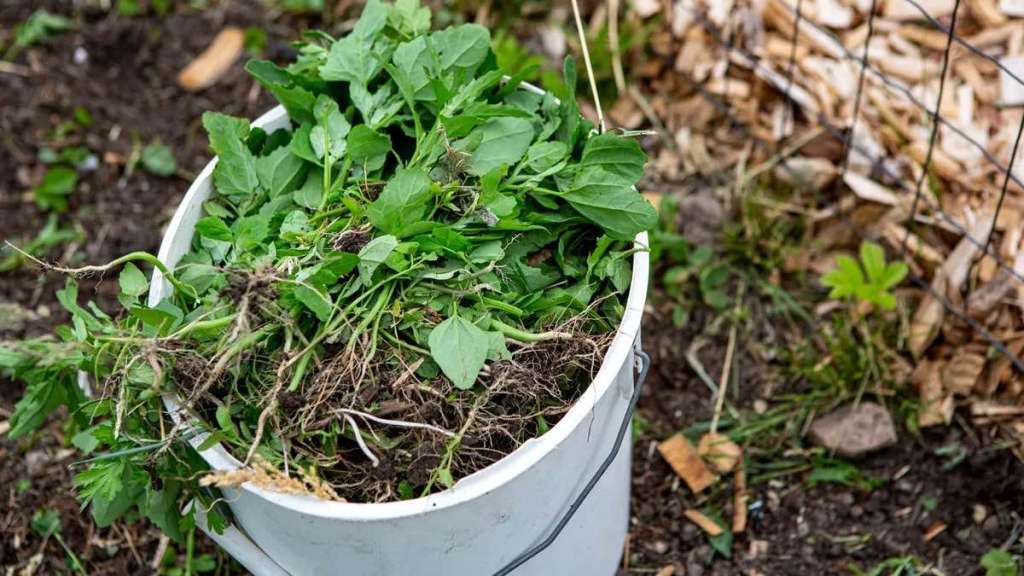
(408, 18)
(295, 223)
(373, 255)
(235, 173)
(463, 47)
(161, 507)
(297, 100)
(610, 201)
(46, 522)
(250, 231)
(502, 141)
(132, 281)
(328, 136)
(317, 303)
(872, 256)
(616, 155)
(544, 155)
(159, 160)
(85, 441)
(373, 19)
(214, 228)
(846, 279)
(367, 147)
(460, 349)
(405, 200)
(280, 172)
(894, 273)
(351, 59)
(999, 562)
(40, 398)
(39, 26)
(58, 183)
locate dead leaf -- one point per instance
(703, 522)
(934, 530)
(209, 66)
(686, 462)
(719, 451)
(962, 372)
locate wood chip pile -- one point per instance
(737, 57)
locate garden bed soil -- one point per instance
(127, 83)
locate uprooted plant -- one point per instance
(421, 275)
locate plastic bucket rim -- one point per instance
(473, 486)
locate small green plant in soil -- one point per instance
(999, 562)
(40, 26)
(420, 275)
(870, 281)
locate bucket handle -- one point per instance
(644, 365)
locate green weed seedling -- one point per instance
(899, 566)
(46, 524)
(869, 281)
(40, 26)
(999, 562)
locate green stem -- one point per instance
(527, 337)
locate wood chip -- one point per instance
(5, 427)
(987, 13)
(719, 452)
(687, 463)
(1012, 7)
(669, 570)
(934, 530)
(903, 10)
(211, 65)
(703, 522)
(936, 407)
(962, 372)
(739, 502)
(1011, 92)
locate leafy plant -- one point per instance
(158, 159)
(52, 193)
(430, 240)
(49, 237)
(46, 524)
(999, 562)
(898, 566)
(870, 281)
(40, 26)
(835, 471)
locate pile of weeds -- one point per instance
(419, 276)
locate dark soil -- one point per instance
(127, 82)
(825, 529)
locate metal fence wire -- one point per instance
(906, 176)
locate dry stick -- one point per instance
(613, 40)
(586, 60)
(727, 367)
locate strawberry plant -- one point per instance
(419, 276)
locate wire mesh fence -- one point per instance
(920, 101)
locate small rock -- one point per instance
(81, 56)
(760, 406)
(846, 499)
(660, 547)
(979, 513)
(855, 430)
(991, 525)
(701, 216)
(856, 511)
(757, 549)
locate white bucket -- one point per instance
(477, 526)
